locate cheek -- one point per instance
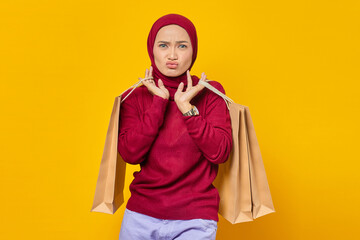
(188, 58)
(157, 55)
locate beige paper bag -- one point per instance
(109, 194)
(241, 181)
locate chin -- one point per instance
(172, 73)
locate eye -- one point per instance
(183, 46)
(162, 45)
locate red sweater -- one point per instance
(178, 155)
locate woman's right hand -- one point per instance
(160, 91)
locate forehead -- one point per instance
(172, 31)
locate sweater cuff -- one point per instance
(192, 122)
(156, 114)
(159, 104)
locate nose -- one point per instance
(172, 54)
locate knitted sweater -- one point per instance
(178, 155)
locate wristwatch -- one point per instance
(192, 112)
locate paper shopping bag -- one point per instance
(110, 183)
(241, 181)
(109, 192)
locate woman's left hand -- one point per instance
(183, 99)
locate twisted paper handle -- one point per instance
(134, 86)
(226, 98)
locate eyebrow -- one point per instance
(176, 42)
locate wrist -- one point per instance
(192, 112)
(185, 107)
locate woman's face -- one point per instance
(172, 50)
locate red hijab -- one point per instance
(172, 83)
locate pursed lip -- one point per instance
(171, 63)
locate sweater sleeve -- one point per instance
(212, 133)
(138, 130)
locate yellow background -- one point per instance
(294, 63)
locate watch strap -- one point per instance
(192, 112)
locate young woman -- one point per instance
(178, 131)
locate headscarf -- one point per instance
(172, 83)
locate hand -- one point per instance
(160, 91)
(183, 99)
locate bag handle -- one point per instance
(134, 86)
(226, 98)
(207, 85)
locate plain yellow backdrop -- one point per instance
(295, 64)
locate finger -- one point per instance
(160, 83)
(180, 87)
(200, 87)
(151, 71)
(189, 85)
(162, 86)
(203, 76)
(146, 73)
(143, 82)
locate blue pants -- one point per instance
(137, 226)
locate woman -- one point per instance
(178, 137)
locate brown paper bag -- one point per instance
(110, 184)
(241, 181)
(109, 192)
